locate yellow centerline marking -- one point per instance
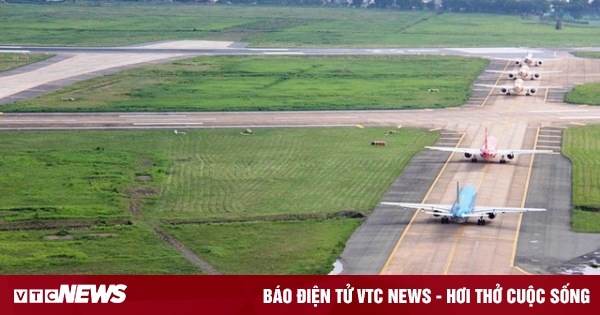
(497, 80)
(393, 253)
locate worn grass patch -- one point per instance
(269, 247)
(251, 83)
(12, 61)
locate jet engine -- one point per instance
(491, 215)
(503, 90)
(510, 156)
(435, 213)
(468, 155)
(531, 91)
(511, 75)
(538, 63)
(517, 62)
(535, 76)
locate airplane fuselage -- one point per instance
(464, 205)
(488, 150)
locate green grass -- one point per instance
(100, 250)
(291, 247)
(274, 174)
(243, 83)
(80, 175)
(12, 61)
(124, 24)
(588, 94)
(585, 221)
(582, 146)
(587, 54)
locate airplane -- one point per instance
(463, 207)
(528, 60)
(489, 150)
(523, 73)
(518, 88)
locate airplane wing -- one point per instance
(451, 149)
(499, 71)
(517, 152)
(434, 208)
(479, 210)
(528, 86)
(495, 86)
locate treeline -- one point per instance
(556, 8)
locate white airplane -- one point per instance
(523, 73)
(528, 60)
(518, 88)
(489, 150)
(463, 207)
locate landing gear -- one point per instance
(473, 160)
(481, 221)
(502, 160)
(445, 220)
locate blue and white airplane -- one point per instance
(463, 208)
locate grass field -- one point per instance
(588, 94)
(271, 247)
(582, 146)
(152, 177)
(100, 250)
(124, 24)
(12, 61)
(587, 54)
(251, 83)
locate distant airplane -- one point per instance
(463, 207)
(528, 60)
(523, 73)
(518, 88)
(489, 150)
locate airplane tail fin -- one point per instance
(457, 192)
(485, 143)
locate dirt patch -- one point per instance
(141, 192)
(135, 208)
(58, 224)
(351, 214)
(58, 237)
(143, 177)
(146, 162)
(101, 235)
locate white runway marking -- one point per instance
(283, 53)
(558, 111)
(165, 123)
(580, 117)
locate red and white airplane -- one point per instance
(489, 150)
(519, 88)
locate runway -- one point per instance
(392, 241)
